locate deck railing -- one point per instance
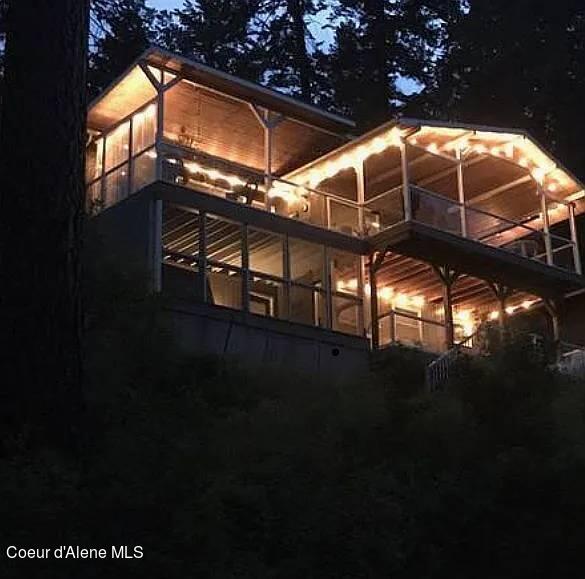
(141, 160)
(491, 229)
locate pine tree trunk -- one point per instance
(296, 9)
(377, 40)
(42, 134)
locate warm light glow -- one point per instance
(527, 304)
(465, 319)
(354, 158)
(494, 315)
(213, 174)
(386, 293)
(552, 187)
(418, 301)
(510, 310)
(539, 174)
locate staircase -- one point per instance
(439, 371)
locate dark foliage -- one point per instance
(222, 472)
(122, 29)
(517, 64)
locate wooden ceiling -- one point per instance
(416, 278)
(133, 91)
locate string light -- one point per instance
(214, 174)
(353, 159)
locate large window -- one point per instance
(261, 272)
(122, 160)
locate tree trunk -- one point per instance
(296, 9)
(42, 142)
(377, 43)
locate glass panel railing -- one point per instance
(244, 185)
(435, 211)
(505, 234)
(562, 253)
(346, 316)
(344, 217)
(398, 327)
(383, 211)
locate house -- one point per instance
(273, 233)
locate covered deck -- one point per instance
(416, 232)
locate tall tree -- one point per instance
(42, 142)
(378, 43)
(290, 62)
(517, 63)
(122, 29)
(221, 33)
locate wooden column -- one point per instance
(501, 293)
(552, 307)
(575, 239)
(268, 121)
(361, 195)
(461, 192)
(546, 225)
(245, 270)
(374, 264)
(448, 278)
(374, 304)
(160, 127)
(406, 199)
(203, 256)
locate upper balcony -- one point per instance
(174, 120)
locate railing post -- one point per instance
(546, 226)
(461, 192)
(405, 180)
(575, 239)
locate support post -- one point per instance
(286, 272)
(157, 246)
(328, 292)
(501, 293)
(361, 196)
(267, 154)
(130, 157)
(374, 304)
(552, 308)
(575, 239)
(268, 122)
(160, 127)
(245, 270)
(406, 199)
(203, 256)
(362, 296)
(448, 278)
(546, 225)
(461, 192)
